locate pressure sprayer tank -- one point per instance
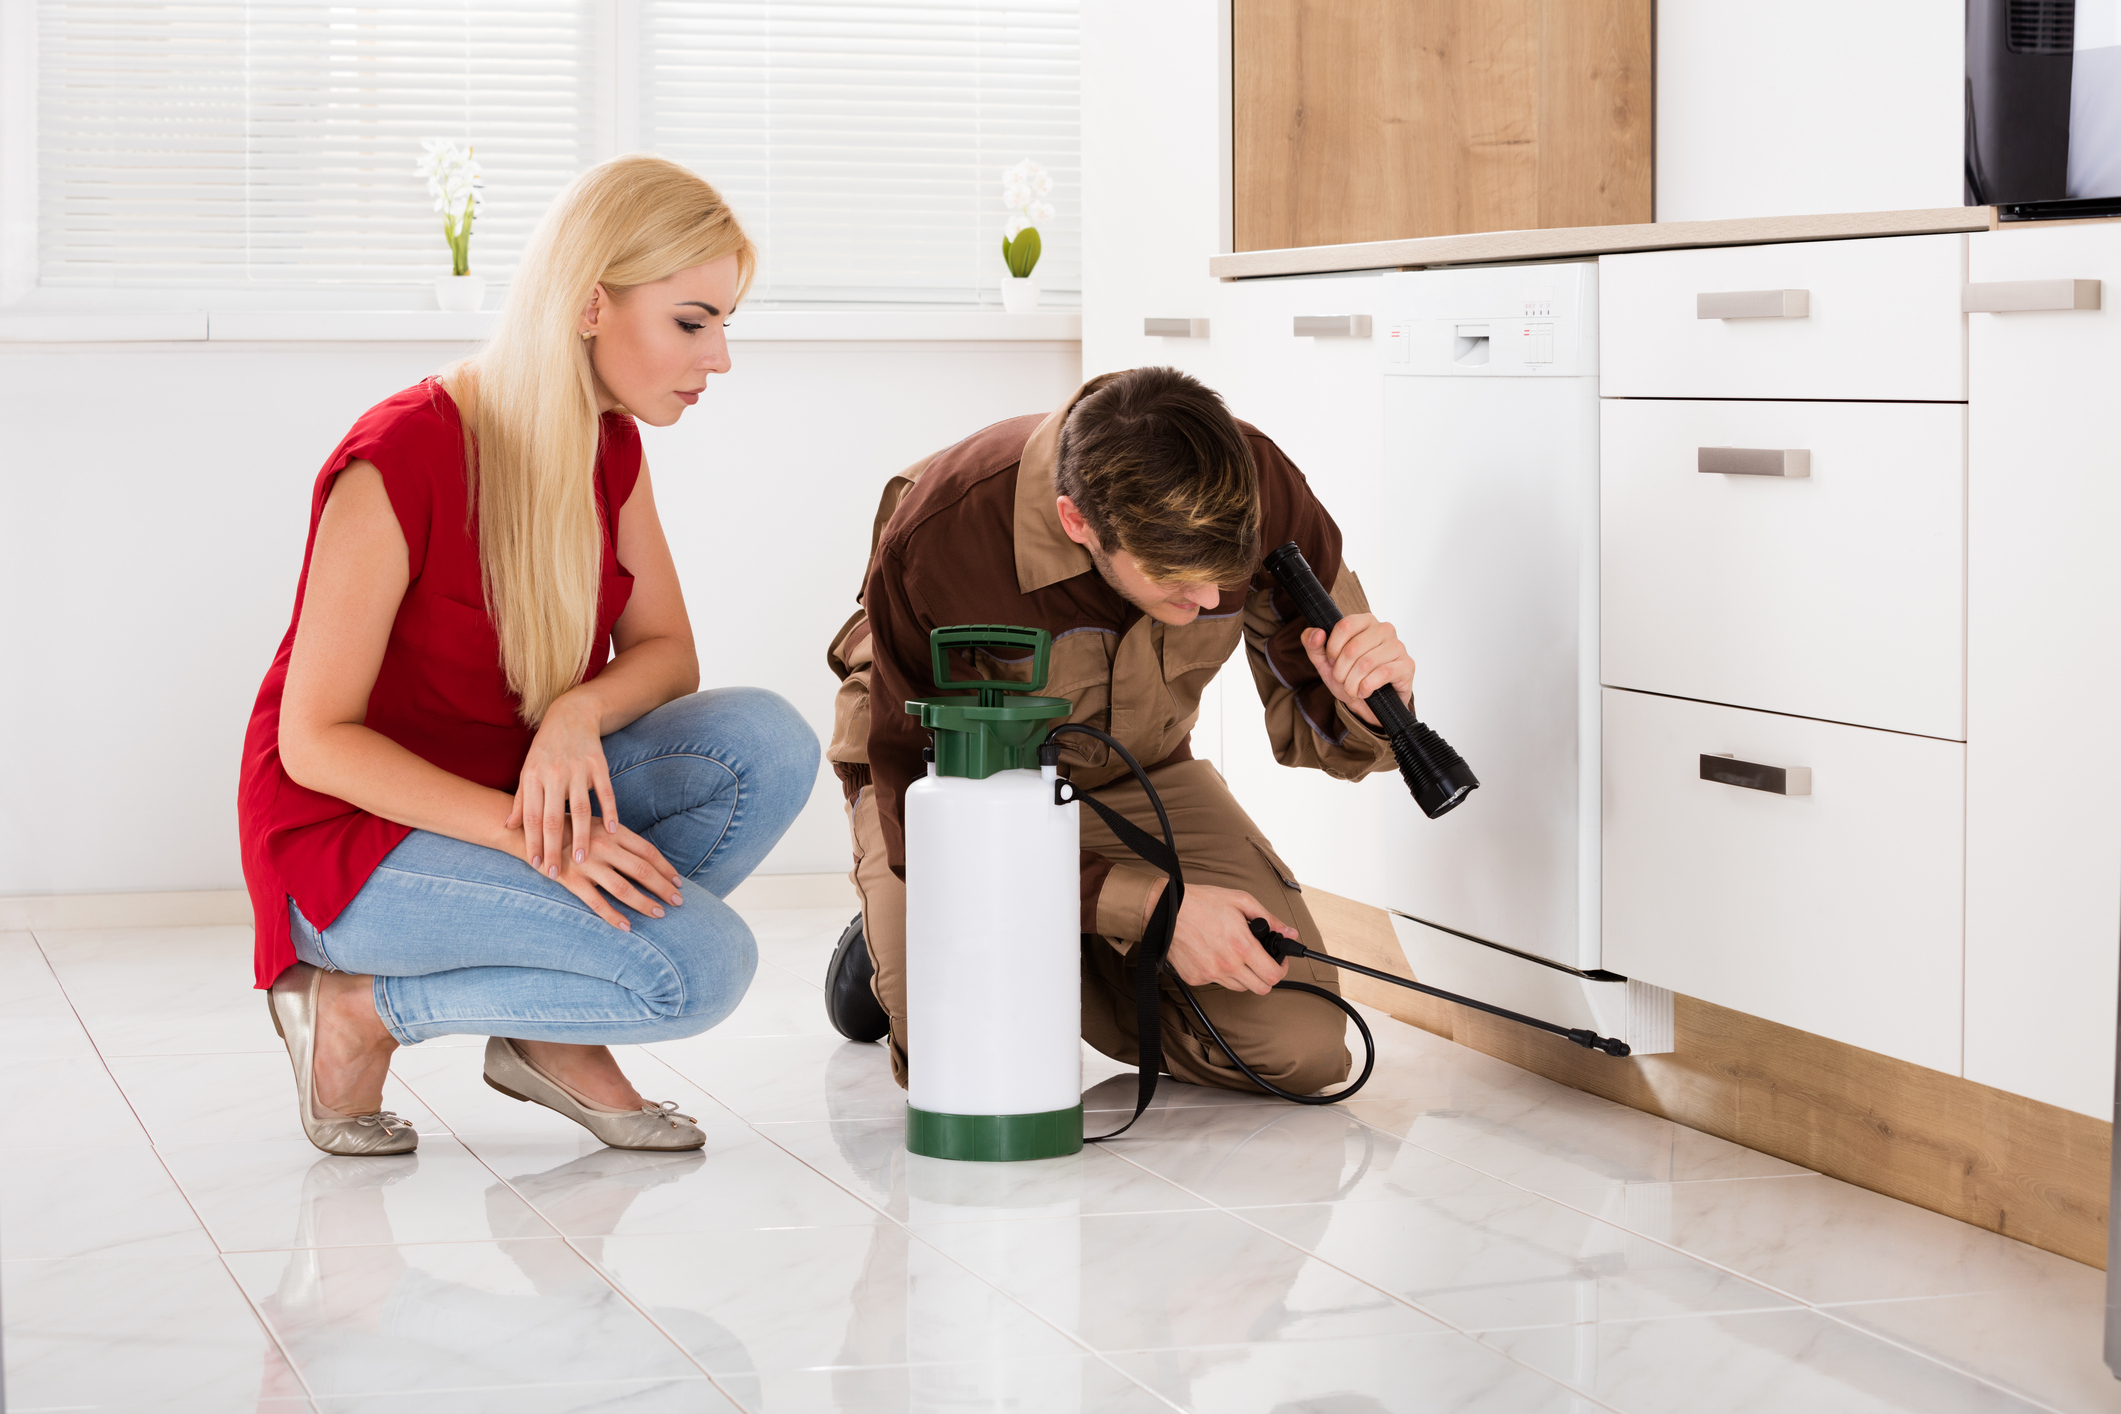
(993, 933)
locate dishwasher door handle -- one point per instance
(1775, 780)
(1791, 462)
(1332, 326)
(1754, 304)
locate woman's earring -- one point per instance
(587, 335)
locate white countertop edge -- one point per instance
(1576, 241)
(435, 326)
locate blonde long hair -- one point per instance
(528, 400)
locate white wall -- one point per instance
(153, 504)
(1808, 106)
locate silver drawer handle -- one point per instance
(1725, 769)
(1754, 461)
(1175, 328)
(1332, 326)
(1754, 304)
(2016, 296)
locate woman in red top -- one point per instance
(481, 792)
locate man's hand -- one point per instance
(1362, 654)
(1213, 941)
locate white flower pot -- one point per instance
(1020, 296)
(460, 294)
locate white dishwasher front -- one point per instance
(1490, 506)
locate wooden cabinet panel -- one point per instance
(1360, 120)
(2043, 676)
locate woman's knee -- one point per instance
(755, 733)
(710, 958)
(770, 734)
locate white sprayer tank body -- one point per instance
(993, 946)
(993, 951)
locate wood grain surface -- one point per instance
(2030, 1171)
(1364, 120)
(1578, 241)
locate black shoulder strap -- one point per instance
(1146, 958)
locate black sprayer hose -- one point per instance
(1165, 921)
(1278, 947)
(1369, 1042)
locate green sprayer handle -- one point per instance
(942, 640)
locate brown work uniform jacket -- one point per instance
(971, 535)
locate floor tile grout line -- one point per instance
(1393, 1297)
(1802, 1303)
(1935, 1360)
(1211, 1205)
(913, 1236)
(220, 1257)
(1215, 1206)
(761, 1129)
(205, 1230)
(603, 1276)
(1665, 1243)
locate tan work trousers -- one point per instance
(1298, 1042)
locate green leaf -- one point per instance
(1021, 255)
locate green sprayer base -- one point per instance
(994, 1138)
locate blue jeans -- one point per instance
(466, 940)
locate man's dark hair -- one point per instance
(1159, 468)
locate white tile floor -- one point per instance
(1464, 1237)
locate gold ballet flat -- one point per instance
(293, 1004)
(651, 1126)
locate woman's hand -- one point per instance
(620, 863)
(566, 764)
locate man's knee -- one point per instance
(1306, 1050)
(1324, 1064)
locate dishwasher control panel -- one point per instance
(1482, 323)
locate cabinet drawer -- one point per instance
(1838, 912)
(1883, 321)
(1836, 594)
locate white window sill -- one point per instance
(434, 326)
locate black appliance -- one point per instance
(2043, 107)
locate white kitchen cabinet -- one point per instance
(1836, 593)
(1156, 169)
(1873, 319)
(1321, 398)
(2043, 889)
(1836, 911)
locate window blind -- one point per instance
(863, 144)
(217, 143)
(234, 144)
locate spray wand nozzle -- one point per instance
(1437, 775)
(1281, 949)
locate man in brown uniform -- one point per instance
(1130, 524)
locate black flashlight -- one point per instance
(1437, 775)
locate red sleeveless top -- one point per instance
(440, 692)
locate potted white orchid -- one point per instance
(454, 182)
(1024, 189)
